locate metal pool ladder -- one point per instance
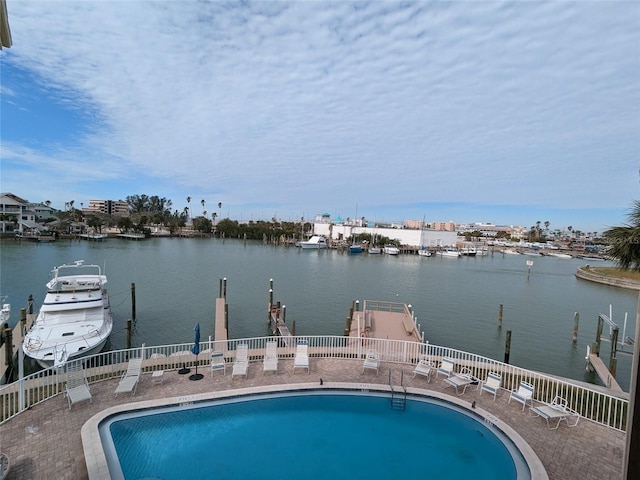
(399, 396)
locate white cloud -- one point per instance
(315, 106)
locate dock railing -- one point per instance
(592, 403)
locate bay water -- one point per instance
(456, 301)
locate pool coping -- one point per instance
(96, 460)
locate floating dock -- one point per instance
(388, 320)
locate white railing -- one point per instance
(591, 403)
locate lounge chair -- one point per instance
(523, 395)
(556, 410)
(301, 359)
(371, 361)
(446, 367)
(77, 388)
(462, 380)
(217, 363)
(424, 367)
(270, 363)
(5, 466)
(129, 380)
(241, 362)
(492, 384)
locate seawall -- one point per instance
(586, 274)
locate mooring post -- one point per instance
(284, 313)
(133, 301)
(500, 316)
(220, 288)
(128, 334)
(507, 347)
(269, 306)
(357, 305)
(576, 319)
(224, 287)
(23, 321)
(8, 342)
(293, 328)
(596, 345)
(613, 360)
(30, 304)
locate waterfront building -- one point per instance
(117, 208)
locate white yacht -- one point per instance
(315, 242)
(75, 317)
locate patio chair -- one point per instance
(446, 367)
(129, 380)
(523, 395)
(492, 384)
(371, 361)
(424, 367)
(270, 363)
(556, 410)
(77, 388)
(241, 362)
(5, 465)
(301, 359)
(217, 363)
(462, 380)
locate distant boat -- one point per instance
(423, 252)
(449, 252)
(468, 250)
(355, 248)
(559, 255)
(509, 251)
(75, 317)
(316, 242)
(375, 250)
(391, 250)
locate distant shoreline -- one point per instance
(610, 276)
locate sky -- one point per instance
(501, 112)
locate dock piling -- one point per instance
(133, 301)
(507, 347)
(576, 319)
(128, 333)
(500, 316)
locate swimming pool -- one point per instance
(315, 435)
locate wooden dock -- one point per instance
(388, 320)
(8, 360)
(603, 373)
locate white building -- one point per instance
(405, 236)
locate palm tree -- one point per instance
(188, 207)
(202, 202)
(220, 208)
(624, 241)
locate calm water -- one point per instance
(456, 300)
(312, 432)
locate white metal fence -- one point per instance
(590, 403)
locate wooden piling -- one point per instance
(133, 301)
(220, 288)
(613, 360)
(128, 333)
(500, 316)
(23, 321)
(224, 287)
(30, 304)
(507, 347)
(8, 343)
(576, 319)
(595, 348)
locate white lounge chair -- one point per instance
(446, 367)
(217, 363)
(5, 466)
(301, 359)
(371, 361)
(424, 367)
(462, 380)
(241, 362)
(492, 384)
(270, 363)
(129, 380)
(77, 388)
(523, 395)
(556, 410)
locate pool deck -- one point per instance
(45, 441)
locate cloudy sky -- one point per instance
(468, 111)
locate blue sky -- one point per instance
(467, 111)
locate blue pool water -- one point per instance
(335, 436)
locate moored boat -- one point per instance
(391, 250)
(423, 252)
(75, 317)
(315, 242)
(449, 253)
